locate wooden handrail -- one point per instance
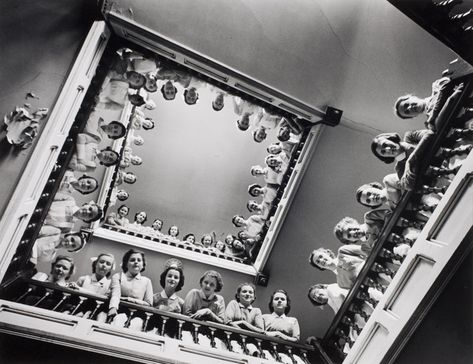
(388, 226)
(176, 316)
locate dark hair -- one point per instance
(241, 126)
(67, 258)
(251, 189)
(150, 127)
(127, 195)
(142, 79)
(394, 137)
(164, 94)
(396, 106)
(162, 277)
(216, 108)
(169, 230)
(186, 91)
(234, 220)
(288, 307)
(284, 133)
(162, 222)
(116, 161)
(119, 207)
(188, 235)
(360, 190)
(94, 263)
(213, 274)
(136, 100)
(82, 241)
(89, 177)
(240, 286)
(146, 216)
(311, 299)
(127, 256)
(96, 217)
(240, 249)
(314, 252)
(255, 133)
(122, 130)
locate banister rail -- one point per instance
(165, 323)
(368, 275)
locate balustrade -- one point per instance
(208, 335)
(392, 246)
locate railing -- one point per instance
(447, 20)
(156, 322)
(382, 264)
(23, 252)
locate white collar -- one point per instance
(164, 295)
(274, 314)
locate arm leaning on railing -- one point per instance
(163, 323)
(388, 251)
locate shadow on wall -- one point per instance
(39, 43)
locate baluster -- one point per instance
(461, 133)
(179, 329)
(48, 293)
(196, 332)
(98, 304)
(462, 17)
(289, 353)
(378, 268)
(339, 349)
(260, 348)
(228, 334)
(130, 317)
(212, 337)
(385, 253)
(349, 322)
(403, 222)
(65, 296)
(163, 324)
(371, 283)
(463, 149)
(275, 350)
(304, 356)
(357, 310)
(362, 295)
(243, 343)
(28, 291)
(31, 226)
(81, 301)
(145, 324)
(441, 171)
(398, 239)
(340, 333)
(425, 190)
(423, 207)
(446, 5)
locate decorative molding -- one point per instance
(151, 245)
(42, 160)
(156, 42)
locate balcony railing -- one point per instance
(382, 264)
(208, 335)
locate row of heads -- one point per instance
(108, 260)
(207, 240)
